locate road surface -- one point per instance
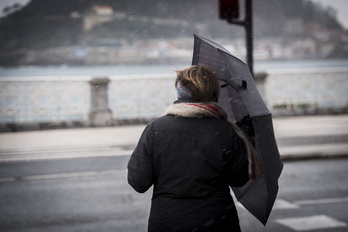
(92, 194)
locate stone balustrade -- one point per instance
(57, 102)
(307, 91)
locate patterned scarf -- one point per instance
(196, 110)
(211, 109)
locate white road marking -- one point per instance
(283, 204)
(7, 179)
(239, 205)
(311, 223)
(54, 150)
(63, 175)
(61, 154)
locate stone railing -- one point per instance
(307, 91)
(58, 102)
(138, 98)
(41, 102)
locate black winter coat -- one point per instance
(191, 162)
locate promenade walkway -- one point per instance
(297, 138)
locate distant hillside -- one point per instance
(44, 24)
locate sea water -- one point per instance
(100, 71)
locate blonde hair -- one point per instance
(200, 81)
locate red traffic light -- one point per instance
(229, 9)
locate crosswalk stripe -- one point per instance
(315, 222)
(283, 204)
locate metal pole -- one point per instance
(247, 23)
(249, 34)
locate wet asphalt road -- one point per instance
(92, 194)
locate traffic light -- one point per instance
(229, 9)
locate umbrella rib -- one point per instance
(227, 83)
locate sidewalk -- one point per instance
(312, 136)
(297, 138)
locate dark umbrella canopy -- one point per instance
(240, 97)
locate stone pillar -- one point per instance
(260, 81)
(100, 114)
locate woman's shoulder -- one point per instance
(160, 121)
(208, 123)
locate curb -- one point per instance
(63, 153)
(114, 151)
(313, 156)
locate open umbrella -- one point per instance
(240, 98)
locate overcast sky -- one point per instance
(341, 6)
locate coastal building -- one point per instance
(97, 15)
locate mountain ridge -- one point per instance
(43, 24)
